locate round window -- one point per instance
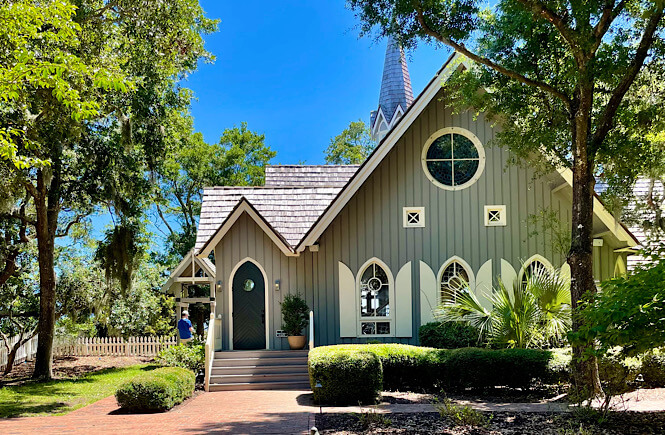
(248, 285)
(453, 158)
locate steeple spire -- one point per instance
(396, 94)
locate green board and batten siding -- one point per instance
(370, 225)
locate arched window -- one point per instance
(455, 277)
(534, 265)
(375, 291)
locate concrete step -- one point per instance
(259, 361)
(283, 385)
(260, 378)
(259, 369)
(234, 354)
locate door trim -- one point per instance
(267, 298)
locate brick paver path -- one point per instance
(240, 412)
(265, 412)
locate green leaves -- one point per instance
(533, 315)
(351, 146)
(628, 312)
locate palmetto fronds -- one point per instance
(531, 314)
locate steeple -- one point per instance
(396, 94)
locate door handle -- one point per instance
(263, 317)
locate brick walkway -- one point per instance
(244, 412)
(265, 412)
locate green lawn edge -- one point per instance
(63, 396)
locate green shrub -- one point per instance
(412, 368)
(653, 370)
(409, 368)
(157, 390)
(189, 356)
(348, 375)
(448, 335)
(559, 366)
(483, 368)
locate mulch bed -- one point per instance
(617, 423)
(71, 367)
(495, 395)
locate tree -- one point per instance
(97, 135)
(238, 159)
(351, 146)
(558, 74)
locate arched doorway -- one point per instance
(249, 307)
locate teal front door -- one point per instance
(249, 309)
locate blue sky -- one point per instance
(296, 71)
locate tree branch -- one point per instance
(76, 220)
(610, 13)
(539, 9)
(161, 215)
(461, 48)
(607, 117)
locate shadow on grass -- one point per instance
(58, 395)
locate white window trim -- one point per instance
(465, 265)
(391, 294)
(502, 215)
(536, 257)
(405, 213)
(466, 133)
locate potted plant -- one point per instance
(295, 315)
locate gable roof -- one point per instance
(383, 148)
(309, 175)
(285, 213)
(187, 269)
(295, 217)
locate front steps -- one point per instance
(260, 370)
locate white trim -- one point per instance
(384, 148)
(502, 216)
(466, 133)
(267, 297)
(245, 207)
(619, 264)
(536, 257)
(189, 260)
(421, 218)
(467, 268)
(607, 218)
(391, 295)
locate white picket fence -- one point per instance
(112, 346)
(26, 352)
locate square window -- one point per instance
(495, 216)
(413, 217)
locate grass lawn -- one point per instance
(64, 395)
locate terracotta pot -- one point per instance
(297, 342)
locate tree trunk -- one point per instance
(580, 257)
(47, 208)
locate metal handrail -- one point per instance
(209, 351)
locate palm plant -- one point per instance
(534, 314)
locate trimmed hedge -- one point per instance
(413, 368)
(348, 375)
(157, 390)
(188, 356)
(447, 335)
(653, 370)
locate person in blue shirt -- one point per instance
(185, 328)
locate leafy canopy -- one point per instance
(351, 146)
